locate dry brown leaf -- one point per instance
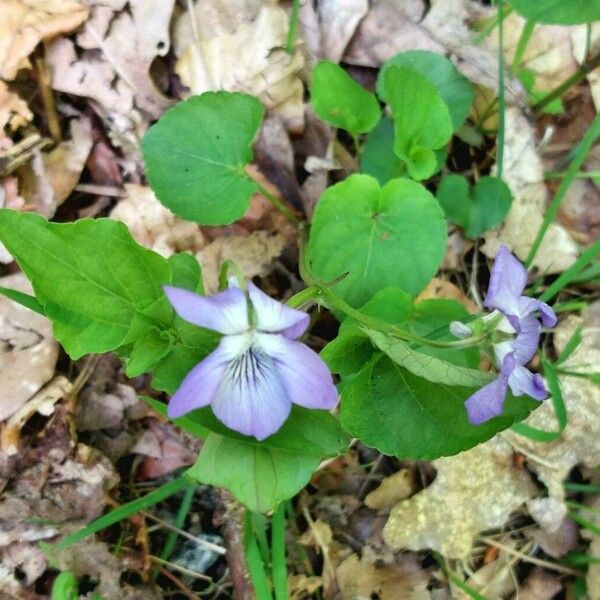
(365, 578)
(392, 489)
(247, 56)
(155, 226)
(301, 587)
(524, 174)
(473, 491)
(540, 585)
(43, 403)
(29, 352)
(254, 255)
(493, 579)
(14, 111)
(579, 443)
(25, 23)
(440, 288)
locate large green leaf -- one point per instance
(195, 156)
(400, 414)
(453, 87)
(477, 209)
(559, 12)
(260, 477)
(390, 236)
(340, 101)
(98, 286)
(421, 118)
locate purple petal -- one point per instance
(306, 378)
(201, 384)
(226, 312)
(526, 342)
(251, 398)
(507, 282)
(528, 306)
(522, 381)
(275, 317)
(488, 402)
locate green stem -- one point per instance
(303, 296)
(501, 98)
(279, 568)
(578, 175)
(584, 70)
(583, 148)
(291, 37)
(254, 561)
(278, 204)
(522, 45)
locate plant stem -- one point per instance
(522, 45)
(278, 204)
(583, 148)
(578, 175)
(587, 67)
(291, 37)
(278, 565)
(254, 561)
(303, 296)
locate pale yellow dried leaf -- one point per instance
(390, 491)
(524, 174)
(253, 253)
(25, 23)
(494, 579)
(155, 226)
(578, 38)
(338, 20)
(251, 59)
(365, 578)
(14, 111)
(29, 352)
(473, 491)
(580, 442)
(301, 587)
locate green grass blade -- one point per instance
(586, 488)
(278, 565)
(24, 299)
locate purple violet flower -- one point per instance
(258, 370)
(507, 283)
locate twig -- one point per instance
(47, 95)
(184, 588)
(181, 569)
(100, 190)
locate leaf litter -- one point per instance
(76, 439)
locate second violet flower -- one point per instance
(519, 331)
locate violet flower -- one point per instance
(258, 369)
(507, 283)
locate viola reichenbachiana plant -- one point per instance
(239, 373)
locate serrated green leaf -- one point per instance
(196, 153)
(453, 87)
(428, 367)
(477, 209)
(558, 12)
(340, 101)
(259, 477)
(400, 414)
(390, 236)
(97, 285)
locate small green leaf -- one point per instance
(186, 272)
(400, 414)
(390, 236)
(65, 587)
(426, 366)
(340, 101)
(260, 477)
(196, 153)
(453, 87)
(558, 12)
(421, 117)
(23, 299)
(476, 209)
(97, 285)
(377, 156)
(148, 349)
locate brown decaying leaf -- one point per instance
(391, 490)
(28, 353)
(26, 23)
(473, 491)
(14, 111)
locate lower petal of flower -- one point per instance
(528, 306)
(251, 398)
(306, 378)
(522, 381)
